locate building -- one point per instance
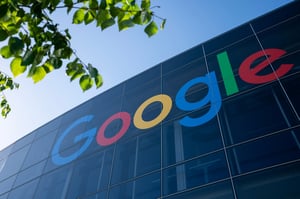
(221, 120)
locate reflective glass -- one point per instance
(23, 142)
(7, 184)
(148, 187)
(24, 191)
(291, 86)
(39, 150)
(275, 17)
(54, 184)
(265, 152)
(254, 114)
(182, 143)
(182, 59)
(276, 183)
(220, 190)
(228, 38)
(30, 173)
(194, 173)
(125, 158)
(124, 191)
(13, 163)
(148, 152)
(90, 174)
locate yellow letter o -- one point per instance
(167, 105)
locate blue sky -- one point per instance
(119, 56)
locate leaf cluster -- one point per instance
(36, 46)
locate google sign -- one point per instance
(248, 72)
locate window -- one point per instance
(268, 151)
(197, 172)
(182, 143)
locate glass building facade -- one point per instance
(219, 121)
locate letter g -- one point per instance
(88, 135)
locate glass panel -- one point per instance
(182, 143)
(291, 85)
(7, 184)
(13, 163)
(101, 195)
(49, 127)
(148, 154)
(30, 173)
(89, 174)
(197, 172)
(284, 36)
(265, 152)
(143, 78)
(23, 142)
(104, 106)
(124, 161)
(39, 150)
(123, 191)
(182, 59)
(25, 191)
(252, 115)
(4, 196)
(230, 58)
(174, 81)
(148, 186)
(221, 190)
(277, 183)
(228, 38)
(277, 16)
(54, 184)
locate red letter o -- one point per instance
(104, 141)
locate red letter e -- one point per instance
(250, 75)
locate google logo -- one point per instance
(249, 71)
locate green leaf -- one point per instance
(78, 16)
(145, 4)
(98, 80)
(162, 25)
(28, 57)
(16, 66)
(85, 82)
(3, 34)
(16, 45)
(38, 74)
(5, 52)
(125, 24)
(3, 10)
(48, 67)
(107, 23)
(88, 17)
(151, 29)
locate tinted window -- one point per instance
(7, 184)
(253, 114)
(148, 152)
(277, 183)
(89, 174)
(124, 161)
(123, 191)
(54, 184)
(221, 190)
(228, 38)
(148, 186)
(39, 150)
(182, 143)
(25, 191)
(182, 59)
(198, 172)
(30, 173)
(13, 163)
(265, 152)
